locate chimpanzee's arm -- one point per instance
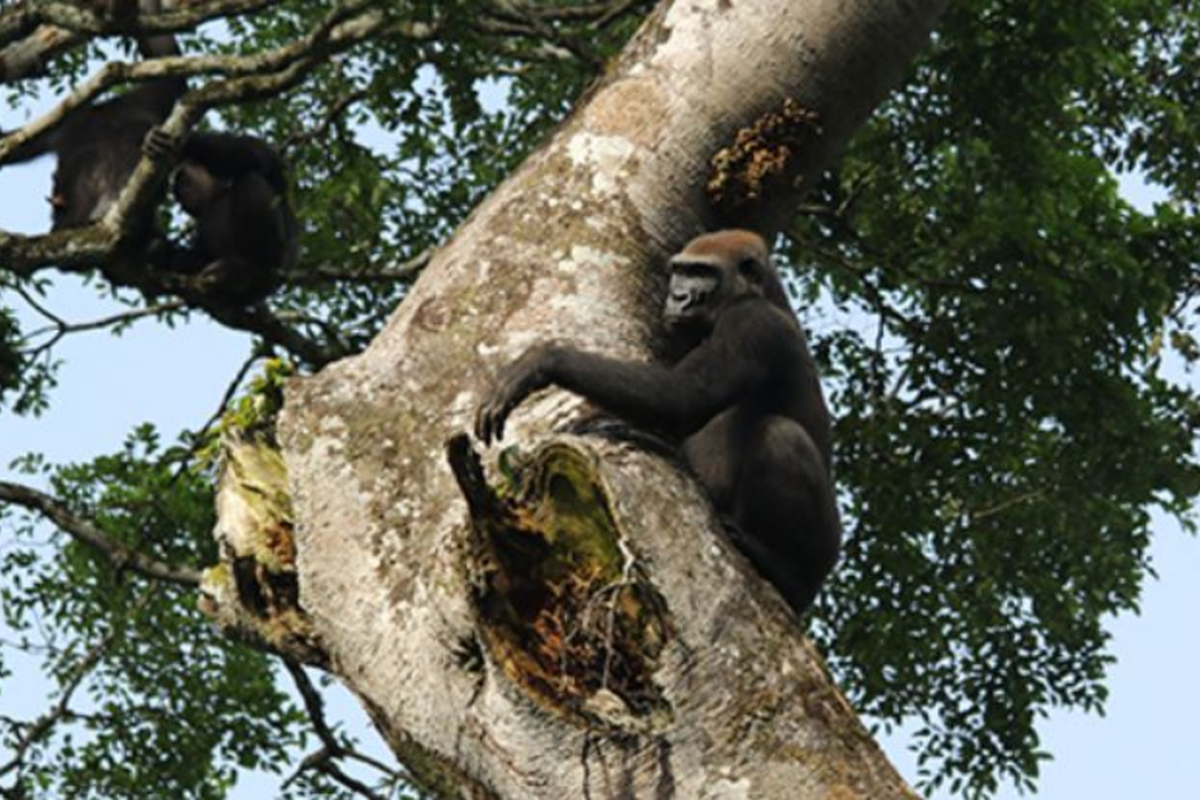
(166, 257)
(30, 149)
(226, 155)
(733, 363)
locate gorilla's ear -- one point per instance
(751, 270)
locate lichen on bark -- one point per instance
(253, 594)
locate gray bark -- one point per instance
(708, 688)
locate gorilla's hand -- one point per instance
(532, 371)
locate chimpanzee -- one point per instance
(235, 188)
(99, 145)
(744, 399)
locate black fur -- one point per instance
(99, 145)
(744, 400)
(235, 187)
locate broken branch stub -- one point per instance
(253, 593)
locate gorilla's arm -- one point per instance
(733, 363)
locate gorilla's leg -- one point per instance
(785, 512)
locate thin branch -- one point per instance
(903, 377)
(324, 758)
(874, 294)
(61, 328)
(509, 18)
(185, 460)
(261, 321)
(839, 218)
(372, 273)
(543, 54)
(118, 554)
(313, 704)
(593, 13)
(37, 306)
(310, 761)
(232, 388)
(332, 332)
(1025, 497)
(330, 768)
(363, 758)
(117, 319)
(45, 723)
(557, 46)
(332, 115)
(618, 10)
(258, 320)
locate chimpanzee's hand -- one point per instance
(159, 144)
(532, 371)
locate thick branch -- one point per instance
(589, 631)
(28, 57)
(119, 555)
(258, 319)
(78, 18)
(24, 17)
(263, 75)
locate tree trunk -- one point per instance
(586, 630)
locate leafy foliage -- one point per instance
(167, 706)
(11, 361)
(252, 416)
(26, 375)
(391, 146)
(1006, 421)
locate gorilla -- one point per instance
(744, 401)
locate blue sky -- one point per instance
(1147, 745)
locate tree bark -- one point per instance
(585, 630)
